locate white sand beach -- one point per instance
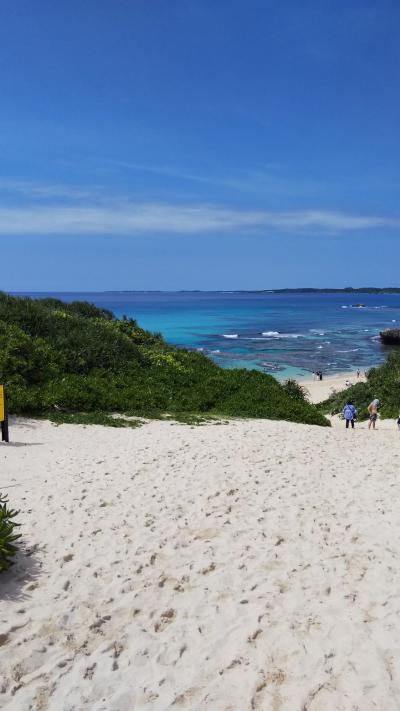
(249, 565)
(319, 390)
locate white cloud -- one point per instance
(128, 219)
(34, 190)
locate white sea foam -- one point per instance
(349, 350)
(290, 335)
(277, 334)
(230, 335)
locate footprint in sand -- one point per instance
(165, 619)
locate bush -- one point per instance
(255, 394)
(7, 536)
(77, 358)
(295, 390)
(21, 355)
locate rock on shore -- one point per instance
(390, 337)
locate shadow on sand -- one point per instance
(28, 422)
(21, 444)
(17, 582)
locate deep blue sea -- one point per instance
(287, 335)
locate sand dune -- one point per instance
(250, 565)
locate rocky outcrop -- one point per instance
(390, 337)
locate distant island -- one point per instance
(300, 290)
(347, 290)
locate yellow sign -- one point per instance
(2, 412)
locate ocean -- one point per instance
(288, 335)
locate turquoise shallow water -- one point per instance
(287, 335)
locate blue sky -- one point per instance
(210, 144)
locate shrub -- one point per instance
(8, 537)
(295, 390)
(21, 355)
(255, 394)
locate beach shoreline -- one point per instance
(320, 390)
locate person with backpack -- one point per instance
(349, 414)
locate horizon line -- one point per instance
(203, 291)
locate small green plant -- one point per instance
(90, 418)
(7, 536)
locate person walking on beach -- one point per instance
(358, 372)
(349, 414)
(398, 423)
(373, 413)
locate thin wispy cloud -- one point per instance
(176, 219)
(37, 191)
(165, 171)
(264, 180)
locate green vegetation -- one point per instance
(8, 538)
(90, 418)
(72, 359)
(382, 382)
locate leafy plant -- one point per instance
(295, 390)
(91, 418)
(8, 537)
